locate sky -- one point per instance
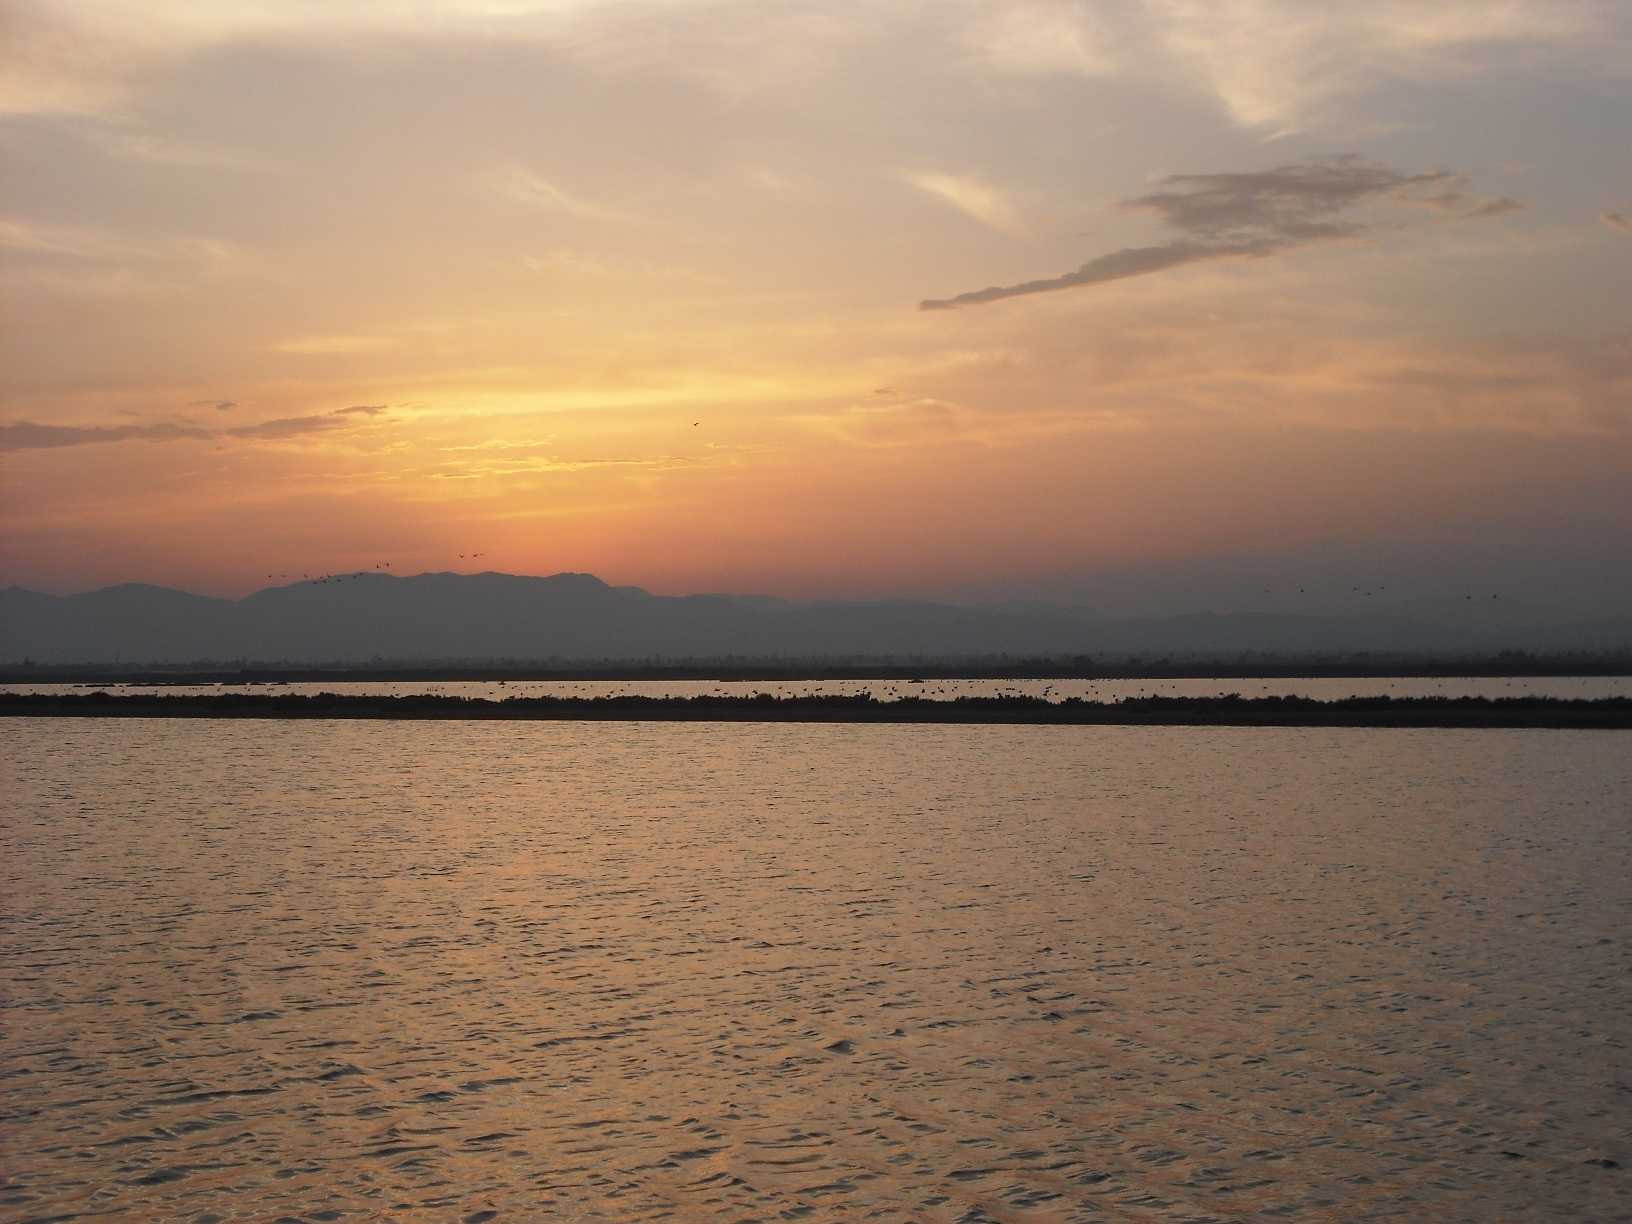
(1159, 305)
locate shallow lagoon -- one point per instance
(932, 973)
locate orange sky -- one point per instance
(634, 289)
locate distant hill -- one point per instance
(486, 617)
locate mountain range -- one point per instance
(571, 617)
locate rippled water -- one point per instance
(466, 971)
(1325, 688)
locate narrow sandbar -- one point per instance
(1221, 711)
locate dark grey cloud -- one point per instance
(218, 405)
(1253, 215)
(1118, 265)
(27, 435)
(1617, 221)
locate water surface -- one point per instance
(341, 970)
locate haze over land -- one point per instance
(565, 617)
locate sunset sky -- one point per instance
(1147, 305)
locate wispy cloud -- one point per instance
(1458, 202)
(916, 422)
(30, 435)
(154, 148)
(1252, 215)
(504, 444)
(65, 241)
(970, 196)
(322, 346)
(90, 261)
(1280, 66)
(1042, 37)
(489, 468)
(523, 185)
(1617, 221)
(299, 426)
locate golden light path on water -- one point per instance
(480, 971)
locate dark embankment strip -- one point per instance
(740, 670)
(1613, 712)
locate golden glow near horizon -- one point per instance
(635, 289)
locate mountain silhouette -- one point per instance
(568, 617)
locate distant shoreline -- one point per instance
(1450, 712)
(769, 671)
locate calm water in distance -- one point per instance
(1324, 688)
(470, 971)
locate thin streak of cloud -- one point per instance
(28, 435)
(323, 346)
(970, 196)
(286, 427)
(1617, 221)
(1118, 265)
(1250, 216)
(66, 241)
(1498, 207)
(500, 444)
(525, 186)
(1458, 203)
(299, 426)
(525, 467)
(159, 150)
